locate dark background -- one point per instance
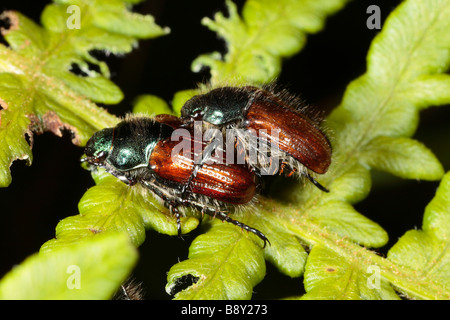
(49, 190)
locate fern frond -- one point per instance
(87, 270)
(112, 206)
(372, 129)
(267, 32)
(38, 90)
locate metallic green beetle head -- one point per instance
(126, 147)
(99, 146)
(218, 107)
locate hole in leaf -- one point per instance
(93, 67)
(99, 54)
(183, 282)
(29, 139)
(77, 70)
(51, 122)
(68, 132)
(112, 60)
(6, 24)
(8, 21)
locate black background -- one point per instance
(48, 191)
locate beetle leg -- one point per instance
(317, 184)
(169, 203)
(206, 155)
(283, 165)
(306, 174)
(224, 217)
(203, 212)
(185, 188)
(174, 210)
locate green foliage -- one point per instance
(425, 252)
(332, 276)
(317, 235)
(112, 206)
(225, 276)
(150, 105)
(87, 270)
(37, 89)
(371, 129)
(267, 32)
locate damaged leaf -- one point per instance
(39, 90)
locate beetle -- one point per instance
(297, 142)
(141, 150)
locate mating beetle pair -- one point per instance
(143, 150)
